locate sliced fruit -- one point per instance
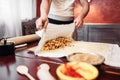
(77, 71)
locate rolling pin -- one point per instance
(24, 39)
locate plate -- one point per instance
(77, 71)
(92, 58)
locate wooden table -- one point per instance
(8, 65)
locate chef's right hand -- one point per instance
(41, 23)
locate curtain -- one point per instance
(12, 13)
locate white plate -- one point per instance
(92, 58)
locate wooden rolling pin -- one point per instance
(24, 39)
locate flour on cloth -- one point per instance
(54, 31)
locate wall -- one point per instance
(101, 11)
(38, 8)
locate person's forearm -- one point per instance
(45, 7)
(85, 8)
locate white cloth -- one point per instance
(61, 10)
(54, 31)
(113, 57)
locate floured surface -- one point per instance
(78, 46)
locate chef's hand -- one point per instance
(78, 22)
(41, 23)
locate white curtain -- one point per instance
(12, 13)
